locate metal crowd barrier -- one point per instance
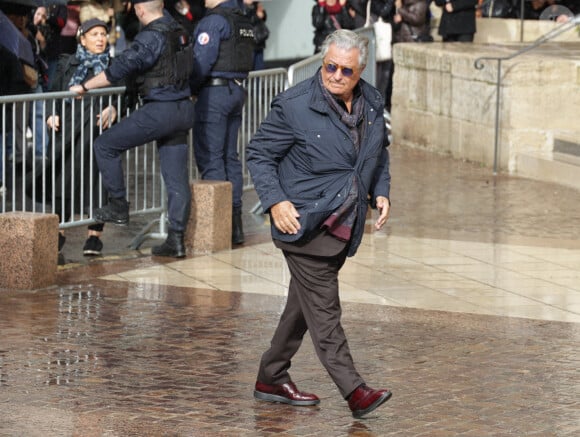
(32, 183)
(262, 86)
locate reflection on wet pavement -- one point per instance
(467, 307)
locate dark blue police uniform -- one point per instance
(166, 116)
(223, 56)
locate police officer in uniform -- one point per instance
(224, 51)
(159, 62)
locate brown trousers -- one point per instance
(313, 305)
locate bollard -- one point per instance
(29, 244)
(210, 223)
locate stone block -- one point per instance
(438, 93)
(498, 30)
(544, 168)
(530, 69)
(442, 102)
(553, 108)
(29, 247)
(210, 222)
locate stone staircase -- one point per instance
(561, 166)
(443, 102)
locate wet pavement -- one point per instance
(467, 306)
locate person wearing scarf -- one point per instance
(91, 58)
(316, 161)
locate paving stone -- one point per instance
(95, 361)
(92, 357)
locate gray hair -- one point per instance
(348, 40)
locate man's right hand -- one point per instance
(285, 217)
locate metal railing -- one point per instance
(36, 183)
(262, 86)
(479, 64)
(32, 181)
(55, 183)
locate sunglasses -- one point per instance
(333, 68)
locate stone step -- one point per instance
(568, 158)
(559, 168)
(566, 147)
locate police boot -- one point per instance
(116, 211)
(237, 229)
(173, 246)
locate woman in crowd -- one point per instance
(73, 164)
(412, 21)
(457, 22)
(328, 16)
(385, 10)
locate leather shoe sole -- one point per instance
(357, 414)
(284, 400)
(167, 253)
(104, 219)
(106, 215)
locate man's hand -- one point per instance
(285, 217)
(106, 118)
(53, 122)
(78, 89)
(384, 207)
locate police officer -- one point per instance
(160, 62)
(224, 50)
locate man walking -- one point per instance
(160, 61)
(315, 161)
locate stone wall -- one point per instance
(442, 102)
(501, 30)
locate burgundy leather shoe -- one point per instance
(365, 399)
(284, 393)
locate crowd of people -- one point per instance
(411, 21)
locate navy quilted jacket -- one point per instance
(303, 153)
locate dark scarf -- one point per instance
(341, 221)
(88, 61)
(350, 120)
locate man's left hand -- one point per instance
(78, 89)
(384, 207)
(106, 118)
